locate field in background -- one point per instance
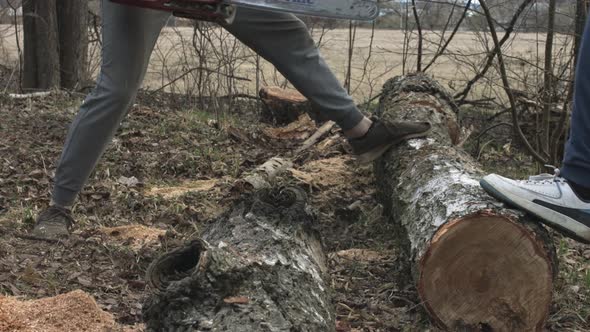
(373, 62)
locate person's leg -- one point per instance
(129, 35)
(561, 201)
(576, 163)
(285, 41)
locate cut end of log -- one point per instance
(275, 93)
(486, 272)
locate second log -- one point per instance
(477, 264)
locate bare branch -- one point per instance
(498, 51)
(420, 37)
(490, 60)
(442, 49)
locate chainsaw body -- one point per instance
(207, 10)
(224, 10)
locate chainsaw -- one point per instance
(223, 11)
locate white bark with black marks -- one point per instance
(477, 265)
(260, 267)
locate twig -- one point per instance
(480, 151)
(351, 41)
(326, 127)
(466, 136)
(448, 41)
(485, 102)
(497, 48)
(18, 47)
(368, 58)
(508, 90)
(30, 95)
(548, 78)
(36, 238)
(490, 128)
(368, 102)
(420, 37)
(560, 129)
(493, 117)
(195, 69)
(9, 79)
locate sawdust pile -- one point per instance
(298, 130)
(324, 173)
(134, 236)
(177, 191)
(74, 311)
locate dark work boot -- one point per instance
(53, 223)
(382, 135)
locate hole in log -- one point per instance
(489, 271)
(486, 327)
(175, 265)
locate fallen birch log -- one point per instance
(39, 94)
(260, 267)
(476, 264)
(264, 175)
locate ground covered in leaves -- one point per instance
(170, 170)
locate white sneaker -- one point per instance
(549, 197)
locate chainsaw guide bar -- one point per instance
(223, 11)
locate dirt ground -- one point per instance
(126, 215)
(170, 170)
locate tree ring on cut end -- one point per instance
(486, 272)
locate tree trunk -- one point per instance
(73, 38)
(55, 43)
(41, 50)
(259, 267)
(283, 106)
(476, 263)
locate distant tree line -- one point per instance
(440, 14)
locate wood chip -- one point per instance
(187, 187)
(134, 236)
(236, 300)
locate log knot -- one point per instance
(293, 199)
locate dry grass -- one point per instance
(372, 66)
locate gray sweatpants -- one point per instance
(129, 36)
